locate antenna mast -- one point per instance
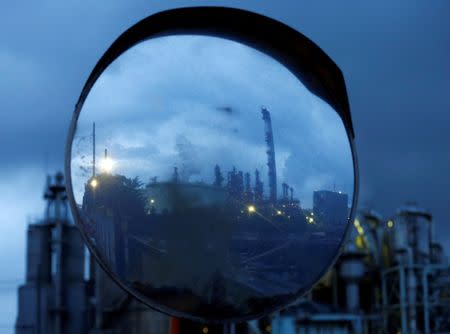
(93, 149)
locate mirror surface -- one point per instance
(213, 185)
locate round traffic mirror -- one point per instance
(210, 163)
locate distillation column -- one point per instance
(270, 154)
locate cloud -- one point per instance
(155, 108)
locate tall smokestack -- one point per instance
(270, 155)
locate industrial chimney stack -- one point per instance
(270, 155)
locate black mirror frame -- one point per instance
(289, 47)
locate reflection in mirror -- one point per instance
(209, 180)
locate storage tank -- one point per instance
(39, 253)
(371, 222)
(352, 269)
(413, 228)
(73, 264)
(171, 196)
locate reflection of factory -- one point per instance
(236, 186)
(330, 207)
(243, 239)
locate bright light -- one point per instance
(356, 223)
(205, 330)
(310, 220)
(251, 209)
(94, 183)
(107, 165)
(360, 230)
(359, 241)
(279, 212)
(152, 201)
(390, 224)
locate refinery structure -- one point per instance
(392, 277)
(245, 240)
(252, 244)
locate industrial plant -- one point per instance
(249, 245)
(391, 277)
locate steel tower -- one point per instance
(270, 155)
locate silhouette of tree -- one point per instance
(117, 193)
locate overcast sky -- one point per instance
(194, 102)
(395, 57)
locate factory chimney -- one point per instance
(270, 155)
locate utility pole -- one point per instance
(93, 149)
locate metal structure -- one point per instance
(272, 171)
(391, 278)
(57, 297)
(53, 298)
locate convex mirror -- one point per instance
(210, 164)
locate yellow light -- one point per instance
(94, 183)
(360, 242)
(268, 328)
(107, 165)
(152, 201)
(205, 330)
(390, 224)
(356, 223)
(360, 230)
(310, 220)
(251, 208)
(279, 212)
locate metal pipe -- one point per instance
(352, 294)
(385, 300)
(426, 313)
(38, 301)
(58, 275)
(412, 285)
(425, 288)
(403, 299)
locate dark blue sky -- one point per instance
(395, 57)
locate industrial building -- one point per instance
(65, 291)
(53, 298)
(392, 277)
(330, 207)
(248, 241)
